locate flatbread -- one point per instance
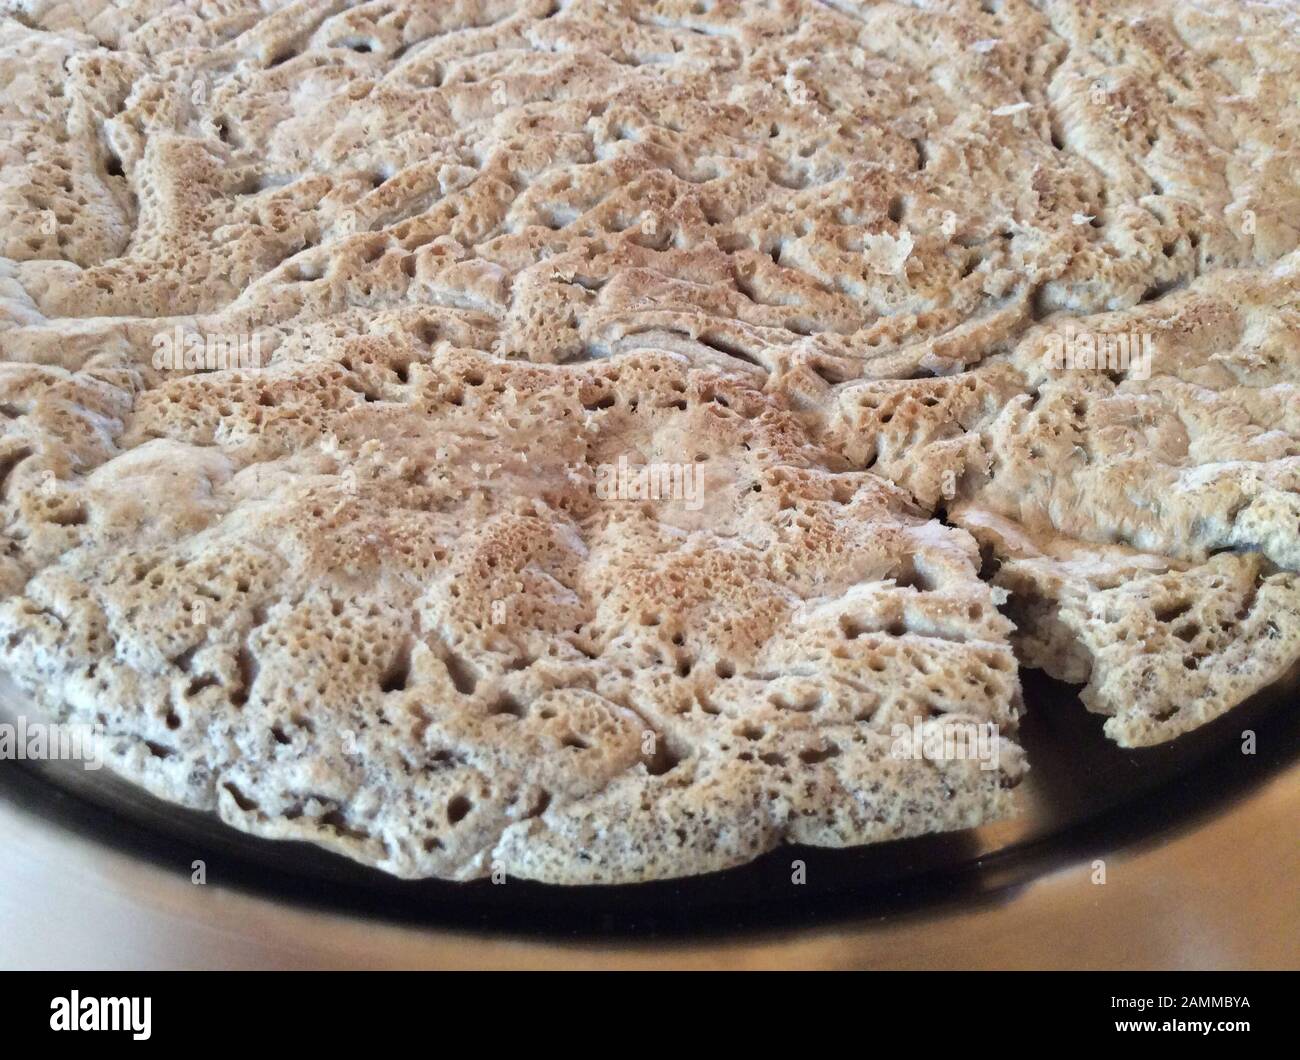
(401, 580)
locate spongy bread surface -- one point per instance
(371, 593)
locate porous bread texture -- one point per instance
(1192, 473)
(1202, 456)
(1163, 645)
(428, 643)
(370, 594)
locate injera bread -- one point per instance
(369, 592)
